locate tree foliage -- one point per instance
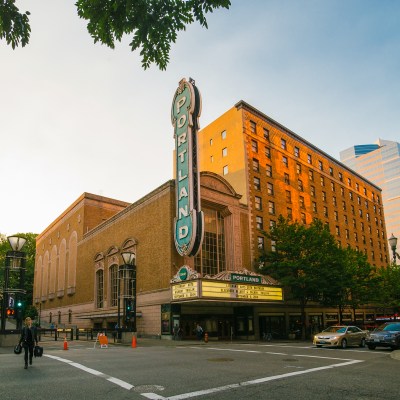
(153, 23)
(388, 290)
(312, 267)
(14, 26)
(306, 260)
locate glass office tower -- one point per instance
(380, 163)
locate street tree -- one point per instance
(305, 260)
(154, 24)
(388, 291)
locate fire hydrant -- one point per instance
(206, 337)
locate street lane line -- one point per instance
(198, 393)
(92, 371)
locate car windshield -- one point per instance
(390, 327)
(336, 329)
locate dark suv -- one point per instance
(386, 335)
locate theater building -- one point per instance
(196, 238)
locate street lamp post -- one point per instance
(15, 262)
(393, 245)
(129, 279)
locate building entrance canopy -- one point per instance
(244, 285)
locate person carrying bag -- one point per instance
(28, 340)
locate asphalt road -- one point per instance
(185, 370)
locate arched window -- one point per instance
(211, 258)
(113, 285)
(100, 288)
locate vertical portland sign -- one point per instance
(185, 113)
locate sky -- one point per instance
(79, 117)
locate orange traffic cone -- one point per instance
(134, 342)
(65, 344)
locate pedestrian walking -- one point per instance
(28, 340)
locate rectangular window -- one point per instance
(266, 134)
(311, 175)
(271, 207)
(283, 144)
(346, 221)
(225, 170)
(309, 158)
(320, 165)
(342, 191)
(351, 196)
(357, 187)
(296, 151)
(252, 127)
(267, 152)
(260, 241)
(224, 152)
(256, 165)
(211, 142)
(344, 205)
(314, 206)
(100, 288)
(273, 245)
(326, 212)
(289, 213)
(303, 218)
(322, 181)
(223, 135)
(257, 185)
(270, 189)
(288, 196)
(334, 201)
(337, 230)
(336, 215)
(301, 202)
(272, 224)
(285, 161)
(254, 146)
(340, 177)
(257, 203)
(286, 178)
(333, 186)
(300, 185)
(330, 171)
(259, 222)
(312, 191)
(349, 181)
(268, 170)
(298, 168)
(324, 197)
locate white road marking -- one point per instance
(154, 396)
(111, 379)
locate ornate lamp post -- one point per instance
(129, 278)
(15, 263)
(393, 245)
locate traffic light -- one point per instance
(10, 313)
(128, 309)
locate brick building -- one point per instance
(279, 173)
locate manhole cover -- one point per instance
(148, 388)
(221, 359)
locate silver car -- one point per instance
(386, 335)
(340, 336)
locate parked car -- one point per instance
(340, 336)
(386, 335)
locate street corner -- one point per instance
(395, 354)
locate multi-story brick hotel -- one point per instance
(279, 173)
(253, 169)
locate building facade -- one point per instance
(380, 163)
(253, 170)
(280, 173)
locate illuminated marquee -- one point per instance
(186, 109)
(225, 290)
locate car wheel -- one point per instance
(371, 347)
(362, 344)
(343, 344)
